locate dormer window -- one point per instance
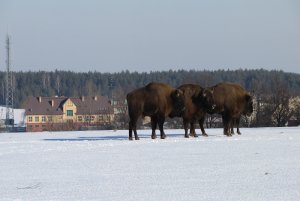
(70, 113)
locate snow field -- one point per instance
(261, 164)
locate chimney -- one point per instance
(95, 98)
(40, 99)
(82, 98)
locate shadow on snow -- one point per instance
(110, 137)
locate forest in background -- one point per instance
(67, 83)
(276, 93)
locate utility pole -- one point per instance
(9, 121)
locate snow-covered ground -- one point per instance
(261, 164)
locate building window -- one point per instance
(30, 119)
(89, 118)
(70, 113)
(36, 119)
(80, 118)
(37, 126)
(43, 119)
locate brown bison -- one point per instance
(156, 100)
(228, 99)
(193, 112)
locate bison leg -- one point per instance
(192, 130)
(226, 125)
(235, 122)
(230, 125)
(238, 126)
(135, 134)
(161, 122)
(130, 132)
(185, 125)
(201, 122)
(232, 128)
(132, 126)
(153, 126)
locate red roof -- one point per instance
(54, 105)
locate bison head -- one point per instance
(205, 99)
(177, 97)
(248, 110)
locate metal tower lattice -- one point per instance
(9, 121)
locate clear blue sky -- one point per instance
(144, 35)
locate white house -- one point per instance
(19, 117)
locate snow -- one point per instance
(261, 164)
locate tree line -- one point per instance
(273, 89)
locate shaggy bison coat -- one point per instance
(157, 100)
(193, 112)
(228, 99)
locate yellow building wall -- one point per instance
(69, 105)
(47, 119)
(102, 118)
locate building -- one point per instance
(119, 106)
(64, 113)
(19, 119)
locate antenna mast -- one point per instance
(9, 121)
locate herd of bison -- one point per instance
(189, 101)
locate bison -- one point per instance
(157, 100)
(193, 112)
(228, 99)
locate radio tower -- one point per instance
(9, 121)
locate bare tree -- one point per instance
(278, 102)
(258, 89)
(294, 104)
(213, 120)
